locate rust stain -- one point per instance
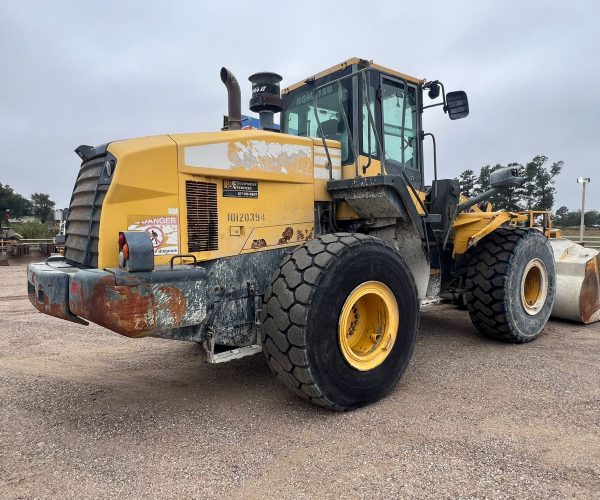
(53, 309)
(118, 308)
(305, 235)
(259, 243)
(133, 311)
(286, 236)
(589, 299)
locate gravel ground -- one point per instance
(87, 413)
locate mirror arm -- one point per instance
(443, 103)
(443, 95)
(434, 105)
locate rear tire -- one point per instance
(510, 284)
(318, 315)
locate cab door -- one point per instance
(400, 128)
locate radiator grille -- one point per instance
(83, 223)
(202, 220)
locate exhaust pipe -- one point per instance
(234, 100)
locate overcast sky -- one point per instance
(90, 72)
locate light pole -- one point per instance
(583, 181)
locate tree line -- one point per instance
(572, 218)
(39, 204)
(537, 192)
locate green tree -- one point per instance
(6, 192)
(592, 218)
(560, 214)
(43, 206)
(9, 200)
(20, 206)
(538, 191)
(567, 218)
(483, 180)
(468, 183)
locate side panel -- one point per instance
(282, 214)
(265, 189)
(373, 170)
(322, 175)
(144, 193)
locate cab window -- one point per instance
(396, 102)
(300, 115)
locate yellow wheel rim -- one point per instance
(534, 286)
(368, 325)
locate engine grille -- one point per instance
(83, 222)
(202, 217)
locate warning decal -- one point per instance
(163, 231)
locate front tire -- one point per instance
(340, 319)
(510, 285)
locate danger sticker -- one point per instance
(240, 189)
(163, 231)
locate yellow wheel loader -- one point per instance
(316, 243)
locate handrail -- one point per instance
(347, 124)
(329, 164)
(372, 124)
(434, 162)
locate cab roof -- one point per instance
(356, 60)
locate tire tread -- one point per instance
(300, 276)
(486, 279)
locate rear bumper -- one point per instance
(132, 304)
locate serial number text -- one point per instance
(246, 217)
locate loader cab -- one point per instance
(373, 112)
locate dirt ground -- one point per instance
(87, 413)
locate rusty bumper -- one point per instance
(132, 304)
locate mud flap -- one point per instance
(577, 282)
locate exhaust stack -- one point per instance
(234, 100)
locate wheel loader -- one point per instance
(316, 244)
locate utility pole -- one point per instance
(583, 181)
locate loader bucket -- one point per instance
(577, 282)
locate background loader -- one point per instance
(316, 244)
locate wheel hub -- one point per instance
(368, 325)
(534, 286)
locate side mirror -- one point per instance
(457, 105)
